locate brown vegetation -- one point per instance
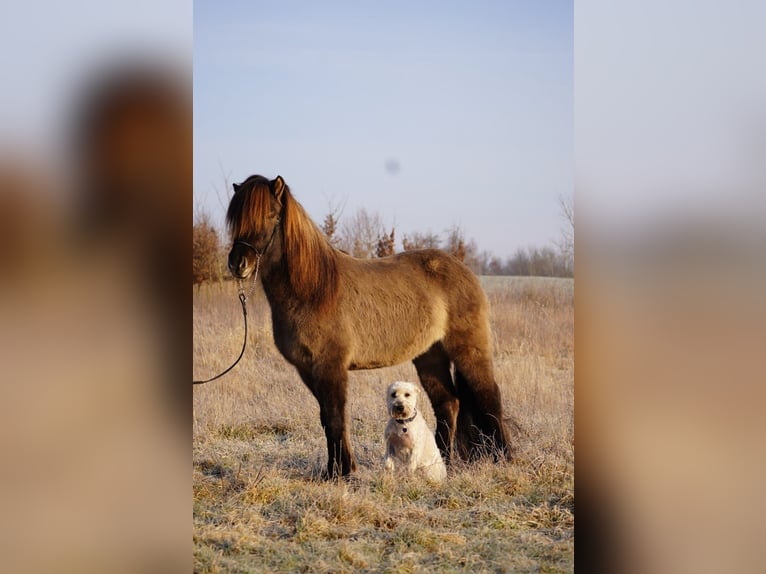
(259, 505)
(386, 244)
(207, 254)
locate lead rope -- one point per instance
(243, 300)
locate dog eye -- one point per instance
(406, 394)
(393, 395)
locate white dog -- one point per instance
(410, 444)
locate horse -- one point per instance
(333, 313)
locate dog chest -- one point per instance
(400, 438)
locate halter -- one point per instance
(258, 254)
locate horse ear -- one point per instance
(236, 187)
(278, 185)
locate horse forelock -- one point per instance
(311, 260)
(249, 207)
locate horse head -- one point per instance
(253, 219)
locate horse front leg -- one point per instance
(329, 386)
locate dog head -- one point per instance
(402, 399)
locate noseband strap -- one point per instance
(259, 252)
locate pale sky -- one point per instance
(48, 61)
(472, 102)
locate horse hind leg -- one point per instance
(467, 434)
(433, 368)
(480, 425)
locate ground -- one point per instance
(260, 504)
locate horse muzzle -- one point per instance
(240, 266)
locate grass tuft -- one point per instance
(261, 505)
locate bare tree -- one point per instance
(359, 234)
(473, 258)
(518, 264)
(419, 240)
(495, 266)
(566, 243)
(223, 195)
(331, 221)
(455, 242)
(536, 261)
(479, 260)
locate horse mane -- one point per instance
(311, 261)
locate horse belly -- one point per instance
(386, 342)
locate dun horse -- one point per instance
(333, 313)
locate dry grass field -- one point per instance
(261, 506)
